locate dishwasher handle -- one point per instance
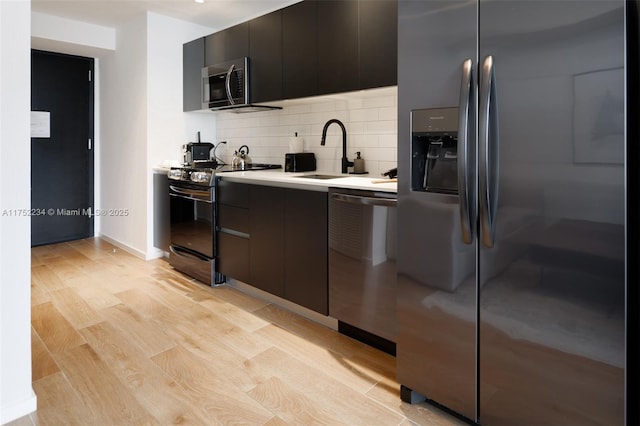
(364, 200)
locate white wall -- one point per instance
(141, 122)
(370, 118)
(167, 126)
(123, 139)
(50, 32)
(16, 394)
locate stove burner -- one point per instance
(205, 176)
(250, 167)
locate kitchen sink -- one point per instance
(320, 176)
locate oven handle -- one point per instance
(192, 194)
(184, 253)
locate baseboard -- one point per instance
(156, 253)
(283, 303)
(133, 251)
(369, 338)
(19, 409)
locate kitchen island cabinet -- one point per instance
(275, 239)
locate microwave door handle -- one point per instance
(227, 84)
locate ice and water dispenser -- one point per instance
(434, 150)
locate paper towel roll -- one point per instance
(296, 144)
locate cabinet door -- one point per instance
(233, 194)
(266, 244)
(161, 223)
(300, 50)
(378, 40)
(214, 50)
(265, 56)
(233, 232)
(227, 45)
(337, 46)
(192, 64)
(233, 257)
(306, 281)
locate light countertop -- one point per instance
(281, 178)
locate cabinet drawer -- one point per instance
(234, 218)
(233, 194)
(233, 256)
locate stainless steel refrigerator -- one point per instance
(511, 209)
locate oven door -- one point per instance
(192, 218)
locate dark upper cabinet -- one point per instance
(265, 55)
(227, 45)
(192, 64)
(314, 47)
(300, 50)
(378, 39)
(337, 46)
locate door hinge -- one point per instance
(89, 144)
(89, 75)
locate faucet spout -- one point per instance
(345, 161)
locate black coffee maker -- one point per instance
(197, 154)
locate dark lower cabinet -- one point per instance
(233, 256)
(161, 221)
(266, 241)
(233, 230)
(275, 239)
(306, 265)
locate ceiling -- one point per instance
(216, 14)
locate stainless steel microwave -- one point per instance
(226, 85)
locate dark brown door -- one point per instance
(62, 148)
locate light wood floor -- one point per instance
(120, 341)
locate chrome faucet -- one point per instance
(345, 161)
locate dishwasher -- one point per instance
(362, 265)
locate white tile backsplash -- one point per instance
(370, 118)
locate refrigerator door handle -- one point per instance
(465, 191)
(488, 152)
